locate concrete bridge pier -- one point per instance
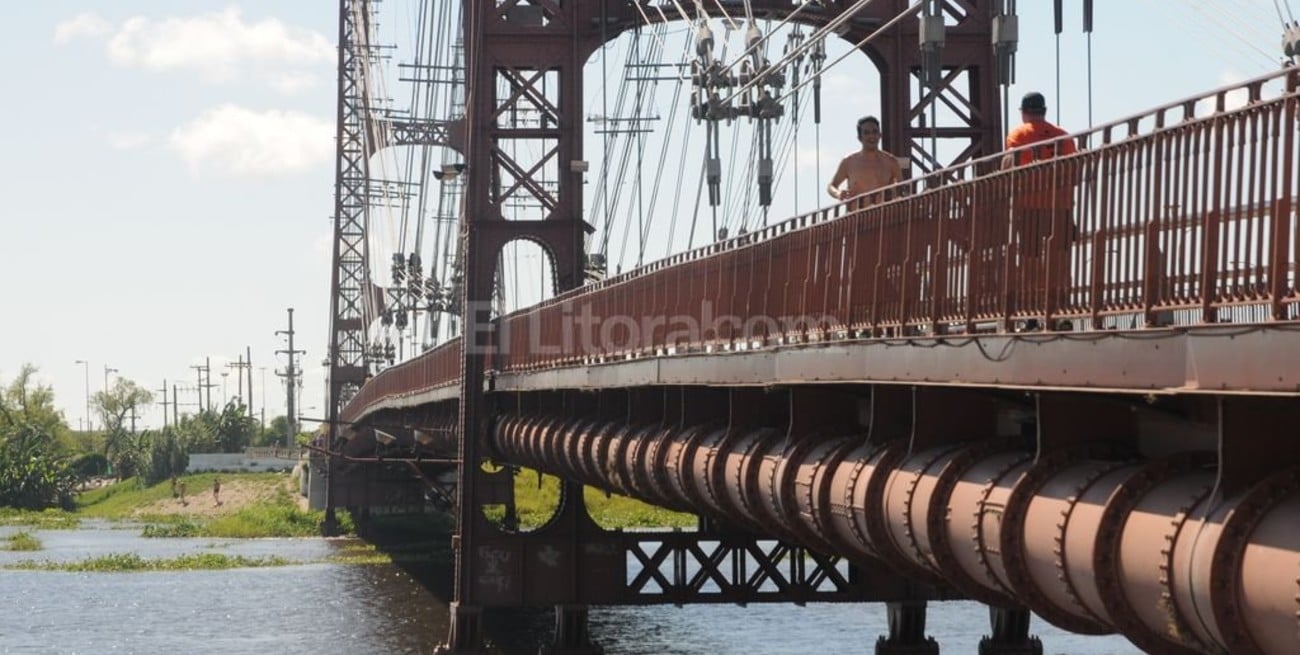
(1010, 627)
(907, 631)
(571, 634)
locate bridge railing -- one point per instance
(435, 369)
(1183, 214)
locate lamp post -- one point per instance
(86, 365)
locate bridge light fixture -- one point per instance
(423, 437)
(384, 438)
(449, 171)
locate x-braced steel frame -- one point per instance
(524, 76)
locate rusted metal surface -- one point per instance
(1094, 545)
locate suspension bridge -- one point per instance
(914, 395)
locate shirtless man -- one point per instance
(867, 169)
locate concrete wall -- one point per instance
(250, 460)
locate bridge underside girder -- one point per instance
(1162, 517)
(1138, 521)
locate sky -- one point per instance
(167, 168)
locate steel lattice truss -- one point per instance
(350, 270)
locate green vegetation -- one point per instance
(536, 501)
(615, 511)
(50, 519)
(24, 541)
(279, 518)
(274, 514)
(122, 447)
(181, 528)
(35, 471)
(361, 553)
(124, 562)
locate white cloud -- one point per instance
(241, 141)
(292, 82)
(128, 140)
(220, 46)
(88, 24)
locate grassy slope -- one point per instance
(126, 498)
(265, 507)
(537, 503)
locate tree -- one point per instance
(235, 429)
(34, 473)
(198, 431)
(162, 455)
(26, 404)
(116, 406)
(273, 435)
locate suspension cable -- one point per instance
(823, 31)
(880, 30)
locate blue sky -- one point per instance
(167, 167)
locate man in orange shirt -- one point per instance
(1042, 202)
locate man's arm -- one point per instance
(841, 175)
(1014, 140)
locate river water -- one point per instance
(349, 608)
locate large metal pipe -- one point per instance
(1147, 549)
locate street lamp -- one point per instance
(86, 365)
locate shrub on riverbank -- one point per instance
(24, 541)
(280, 518)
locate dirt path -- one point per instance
(236, 494)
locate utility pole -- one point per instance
(163, 391)
(263, 370)
(207, 373)
(198, 386)
(290, 376)
(176, 406)
(86, 365)
(240, 365)
(248, 365)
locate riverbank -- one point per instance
(249, 505)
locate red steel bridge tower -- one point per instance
(527, 57)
